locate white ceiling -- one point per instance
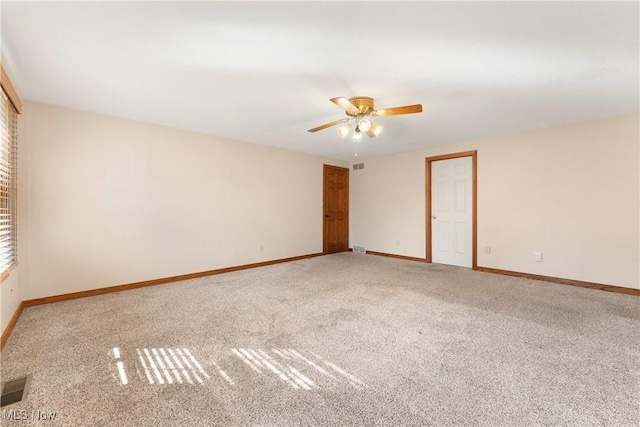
(263, 72)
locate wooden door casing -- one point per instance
(335, 209)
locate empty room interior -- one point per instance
(320, 213)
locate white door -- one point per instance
(451, 211)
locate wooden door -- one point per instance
(452, 198)
(336, 209)
(451, 211)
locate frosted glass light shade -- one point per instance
(375, 130)
(344, 130)
(365, 125)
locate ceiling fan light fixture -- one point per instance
(343, 131)
(361, 108)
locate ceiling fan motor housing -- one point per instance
(363, 103)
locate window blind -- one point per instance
(8, 184)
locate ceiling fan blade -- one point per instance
(328, 125)
(346, 105)
(396, 111)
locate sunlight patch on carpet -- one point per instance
(296, 370)
(166, 366)
(162, 366)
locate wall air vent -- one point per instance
(358, 166)
(359, 250)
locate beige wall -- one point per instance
(570, 192)
(112, 201)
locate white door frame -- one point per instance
(474, 203)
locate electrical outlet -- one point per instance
(487, 250)
(397, 242)
(261, 248)
(537, 256)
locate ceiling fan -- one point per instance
(360, 108)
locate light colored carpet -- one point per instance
(338, 340)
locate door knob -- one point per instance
(433, 217)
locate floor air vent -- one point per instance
(14, 391)
(359, 250)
